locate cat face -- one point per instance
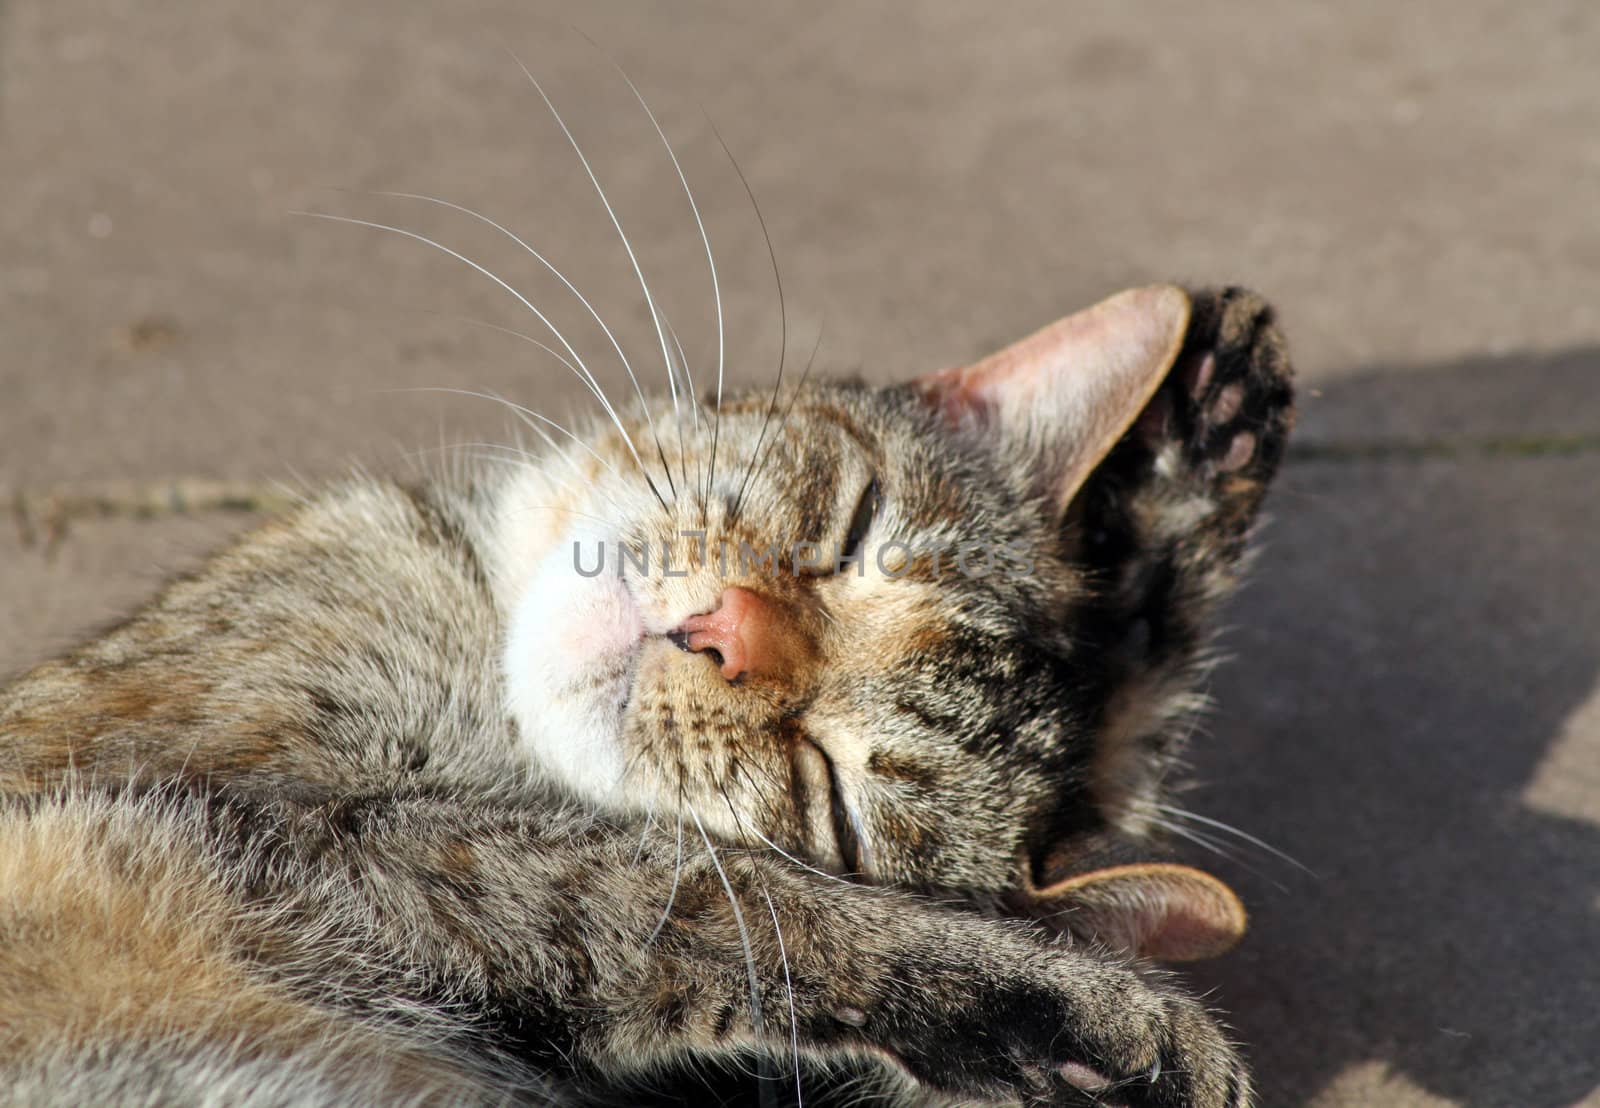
(848, 622)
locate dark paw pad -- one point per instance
(1226, 406)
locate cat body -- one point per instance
(761, 732)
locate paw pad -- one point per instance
(1082, 1077)
(1240, 451)
(1226, 404)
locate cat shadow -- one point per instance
(1411, 710)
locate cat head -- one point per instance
(854, 623)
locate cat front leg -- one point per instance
(969, 1008)
(606, 958)
(1162, 527)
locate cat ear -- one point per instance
(1168, 912)
(1069, 392)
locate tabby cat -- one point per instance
(818, 734)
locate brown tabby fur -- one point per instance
(277, 838)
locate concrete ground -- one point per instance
(1412, 709)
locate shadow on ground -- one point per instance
(1405, 713)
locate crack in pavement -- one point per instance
(1463, 447)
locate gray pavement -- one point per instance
(1412, 710)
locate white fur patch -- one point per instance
(570, 654)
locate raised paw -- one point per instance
(1165, 518)
(1225, 408)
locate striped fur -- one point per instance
(285, 836)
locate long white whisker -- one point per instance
(508, 455)
(1193, 836)
(526, 415)
(705, 239)
(562, 277)
(649, 826)
(688, 378)
(677, 415)
(788, 985)
(694, 402)
(672, 895)
(1183, 813)
(525, 302)
(524, 336)
(738, 919)
(568, 511)
(783, 955)
(1212, 845)
(638, 270)
(514, 333)
(505, 453)
(783, 421)
(739, 768)
(783, 316)
(711, 467)
(802, 864)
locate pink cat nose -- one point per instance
(743, 630)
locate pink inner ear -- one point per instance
(1168, 912)
(1072, 389)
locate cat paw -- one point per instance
(1065, 1030)
(1163, 522)
(1218, 425)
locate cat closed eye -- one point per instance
(861, 522)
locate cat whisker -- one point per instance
(688, 378)
(738, 919)
(1215, 846)
(677, 862)
(711, 264)
(514, 333)
(524, 412)
(715, 289)
(783, 955)
(677, 875)
(783, 318)
(644, 835)
(673, 364)
(677, 421)
(483, 453)
(739, 767)
(562, 277)
(1182, 813)
(500, 454)
(1197, 837)
(638, 270)
(694, 409)
(783, 420)
(518, 456)
(796, 861)
(705, 239)
(503, 454)
(788, 986)
(526, 415)
(525, 302)
(711, 469)
(568, 511)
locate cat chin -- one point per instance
(570, 658)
